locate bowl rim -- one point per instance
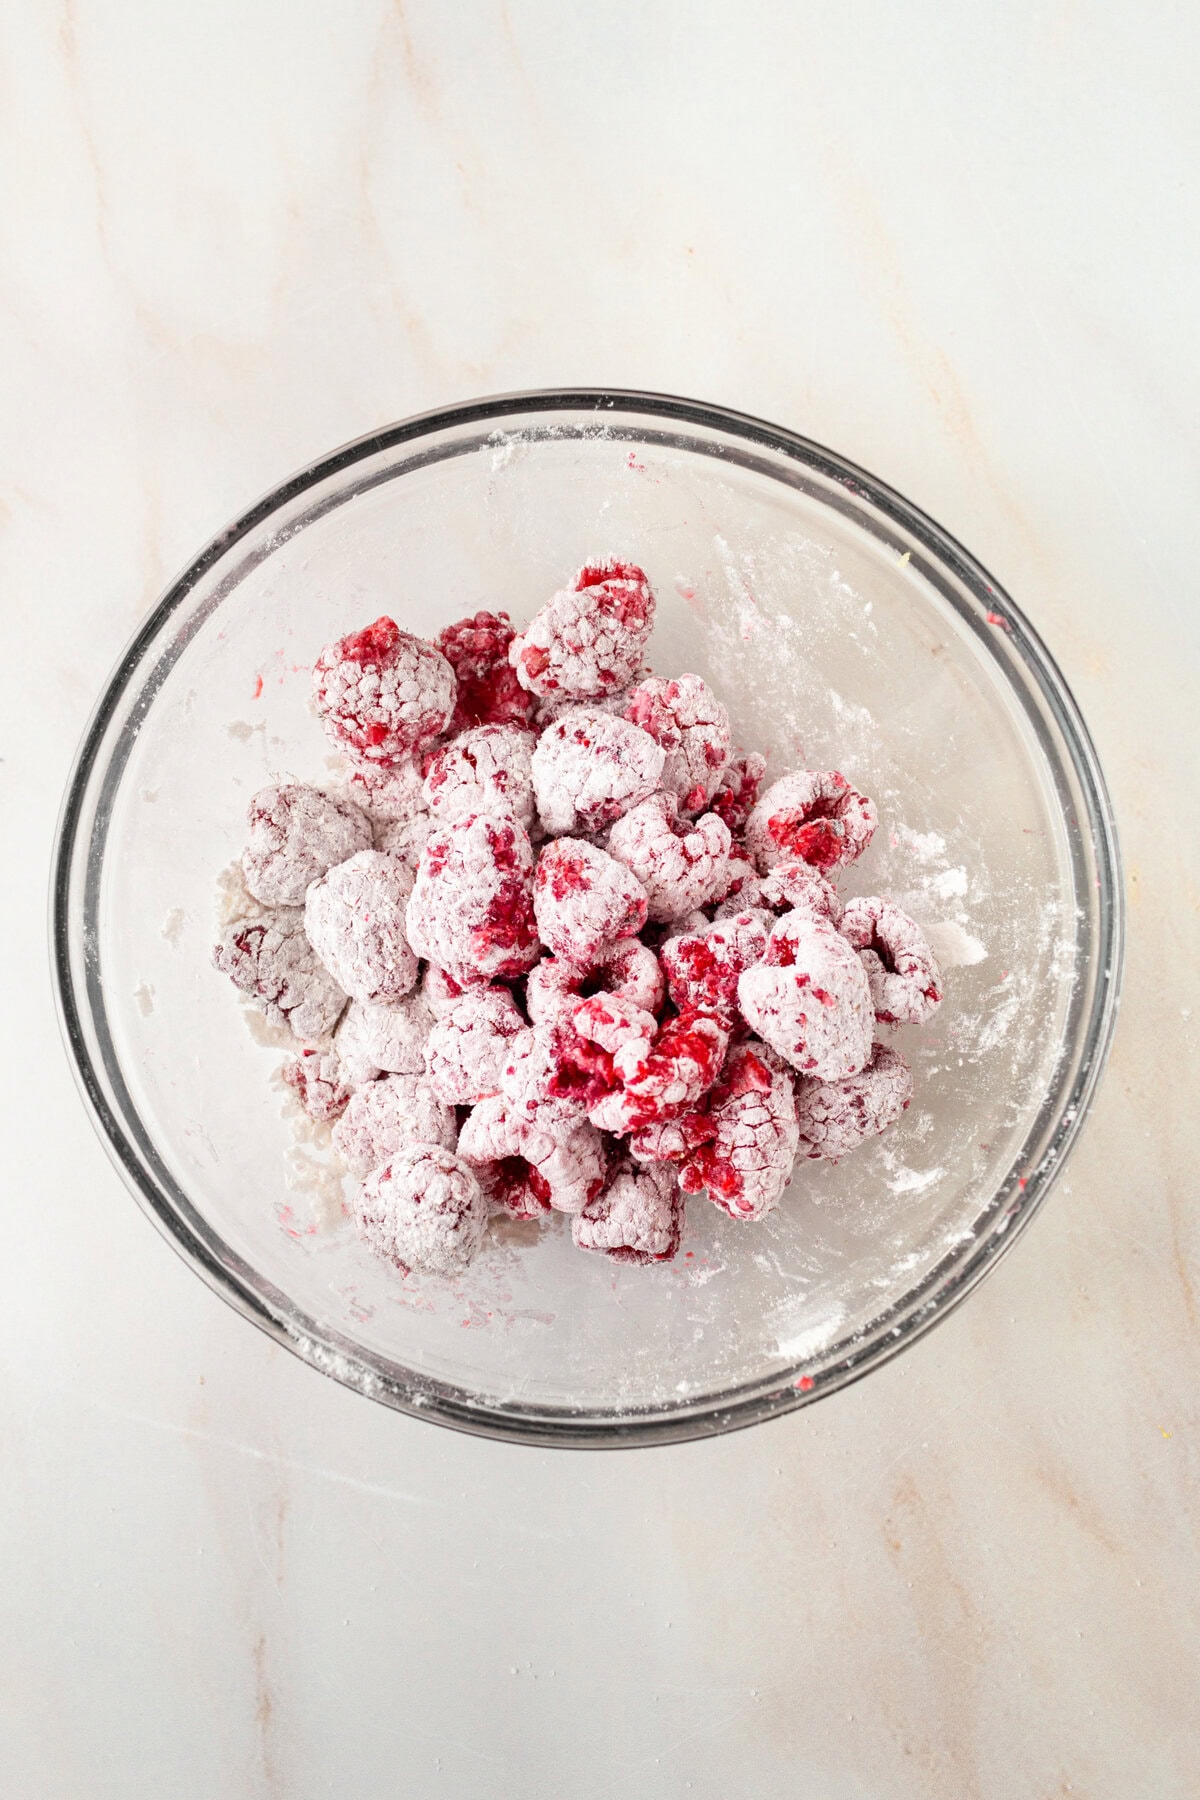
(944, 1286)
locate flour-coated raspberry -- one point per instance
(488, 690)
(296, 833)
(423, 1210)
(394, 801)
(748, 1161)
(737, 790)
(637, 1218)
(391, 1115)
(526, 1170)
(590, 767)
(467, 1047)
(590, 638)
(813, 816)
(627, 970)
(584, 901)
(319, 1081)
(471, 908)
(809, 998)
(681, 863)
(906, 982)
(702, 967)
(835, 1117)
(552, 1075)
(382, 693)
(673, 1140)
(661, 1079)
(687, 719)
(485, 770)
(742, 886)
(375, 1039)
(270, 959)
(439, 990)
(354, 917)
(797, 886)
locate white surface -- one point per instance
(958, 244)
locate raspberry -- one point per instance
(638, 1218)
(382, 693)
(469, 1044)
(584, 900)
(488, 690)
(814, 816)
(390, 1115)
(681, 864)
(748, 1162)
(471, 908)
(743, 890)
(318, 1080)
(354, 917)
(553, 1075)
(835, 1117)
(809, 998)
(590, 637)
(673, 1140)
(383, 1039)
(688, 720)
(702, 967)
(662, 1079)
(906, 982)
(296, 833)
(439, 991)
(798, 886)
(627, 970)
(737, 791)
(486, 770)
(394, 799)
(423, 1210)
(589, 768)
(526, 1170)
(270, 959)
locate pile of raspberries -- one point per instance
(548, 949)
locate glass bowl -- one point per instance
(843, 629)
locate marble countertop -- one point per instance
(961, 246)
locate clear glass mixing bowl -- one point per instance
(844, 629)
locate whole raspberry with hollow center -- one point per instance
(354, 917)
(590, 638)
(423, 1210)
(627, 970)
(737, 791)
(702, 968)
(584, 900)
(470, 1043)
(471, 908)
(661, 1079)
(270, 959)
(682, 865)
(835, 1117)
(811, 815)
(319, 1083)
(526, 1170)
(296, 833)
(391, 1115)
(747, 1163)
(906, 982)
(488, 690)
(382, 693)
(590, 767)
(809, 998)
(687, 719)
(638, 1217)
(486, 770)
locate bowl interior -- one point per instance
(841, 633)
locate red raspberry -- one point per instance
(469, 1045)
(674, 1140)
(389, 1116)
(638, 1218)
(486, 770)
(383, 1039)
(748, 1162)
(526, 1170)
(835, 1117)
(627, 970)
(589, 768)
(296, 833)
(271, 960)
(590, 638)
(394, 799)
(471, 908)
(488, 690)
(382, 693)
(744, 889)
(906, 982)
(798, 886)
(318, 1080)
(660, 1080)
(682, 865)
(423, 1210)
(553, 1076)
(809, 998)
(354, 917)
(688, 720)
(812, 815)
(737, 791)
(439, 991)
(702, 968)
(584, 900)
